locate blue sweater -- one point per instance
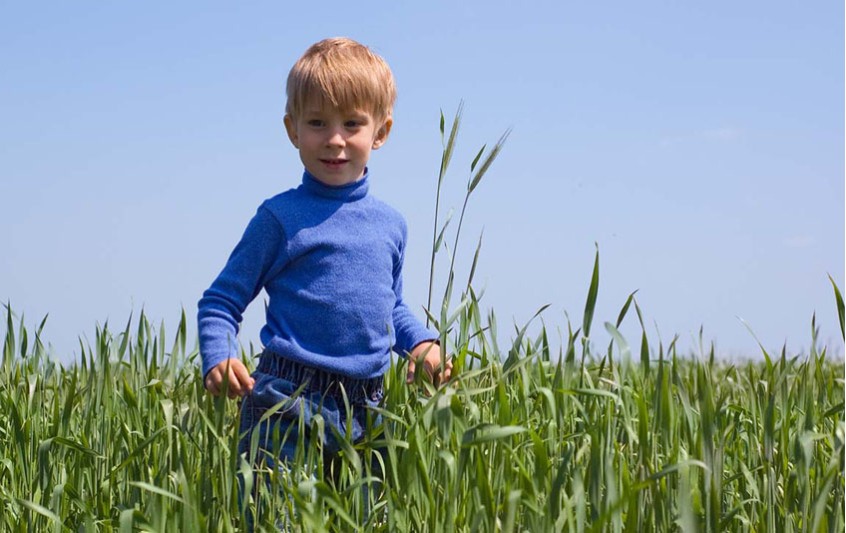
(330, 259)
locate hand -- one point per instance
(240, 382)
(429, 355)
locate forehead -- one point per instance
(322, 106)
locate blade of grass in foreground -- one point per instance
(590, 307)
(840, 309)
(446, 157)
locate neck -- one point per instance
(348, 192)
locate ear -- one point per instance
(382, 133)
(291, 128)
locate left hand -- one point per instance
(429, 355)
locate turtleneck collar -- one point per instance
(346, 193)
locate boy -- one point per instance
(330, 257)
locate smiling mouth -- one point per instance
(334, 161)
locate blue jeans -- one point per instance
(299, 391)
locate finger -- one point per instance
(409, 376)
(227, 381)
(211, 383)
(447, 373)
(224, 381)
(235, 388)
(431, 372)
(442, 376)
(245, 381)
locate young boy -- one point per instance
(330, 257)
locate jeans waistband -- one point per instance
(321, 381)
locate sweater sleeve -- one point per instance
(220, 310)
(408, 329)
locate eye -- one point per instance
(315, 122)
(352, 124)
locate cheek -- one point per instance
(362, 146)
(309, 143)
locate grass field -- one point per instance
(527, 437)
(127, 439)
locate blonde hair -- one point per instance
(344, 74)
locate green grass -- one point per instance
(127, 439)
(536, 436)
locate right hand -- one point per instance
(240, 382)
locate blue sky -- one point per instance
(699, 144)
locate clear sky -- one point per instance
(699, 144)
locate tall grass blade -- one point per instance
(840, 310)
(593, 291)
(486, 164)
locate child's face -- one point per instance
(335, 145)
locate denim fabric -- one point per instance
(277, 380)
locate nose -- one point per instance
(335, 138)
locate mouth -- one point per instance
(334, 162)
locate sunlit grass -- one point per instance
(128, 439)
